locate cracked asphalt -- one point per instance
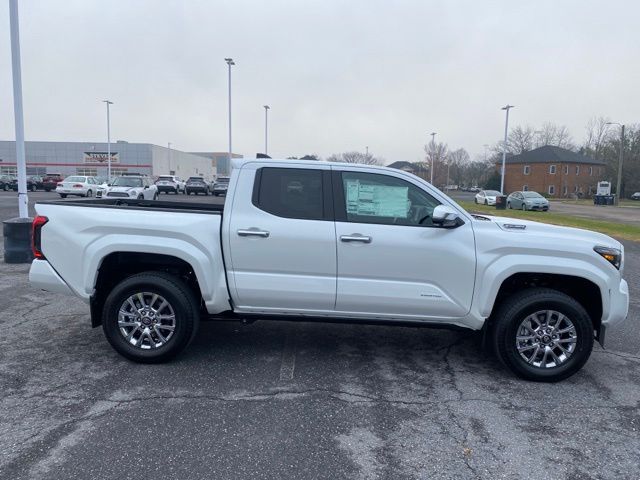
(288, 400)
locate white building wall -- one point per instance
(183, 164)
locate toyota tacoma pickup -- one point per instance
(319, 241)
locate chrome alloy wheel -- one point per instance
(146, 320)
(546, 339)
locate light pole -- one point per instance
(230, 63)
(507, 107)
(169, 157)
(266, 127)
(367, 149)
(433, 159)
(620, 161)
(108, 102)
(23, 199)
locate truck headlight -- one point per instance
(611, 255)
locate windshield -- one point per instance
(491, 193)
(531, 195)
(165, 179)
(223, 180)
(195, 179)
(127, 182)
(75, 179)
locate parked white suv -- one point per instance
(132, 187)
(170, 184)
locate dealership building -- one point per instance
(90, 158)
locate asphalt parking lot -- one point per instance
(286, 400)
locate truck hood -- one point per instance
(122, 189)
(550, 233)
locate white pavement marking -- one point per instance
(288, 363)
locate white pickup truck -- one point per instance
(310, 240)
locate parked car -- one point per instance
(474, 189)
(635, 196)
(527, 201)
(487, 197)
(78, 185)
(170, 184)
(6, 182)
(220, 186)
(33, 183)
(359, 243)
(102, 186)
(196, 185)
(51, 180)
(130, 186)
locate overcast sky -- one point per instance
(339, 75)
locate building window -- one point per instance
(525, 188)
(527, 169)
(88, 172)
(591, 171)
(552, 190)
(566, 169)
(565, 190)
(13, 171)
(116, 172)
(577, 169)
(552, 169)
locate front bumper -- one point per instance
(44, 277)
(167, 188)
(618, 305)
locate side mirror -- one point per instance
(108, 184)
(445, 216)
(146, 186)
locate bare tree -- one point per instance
(597, 136)
(556, 135)
(355, 157)
(521, 139)
(436, 153)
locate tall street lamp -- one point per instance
(16, 68)
(504, 146)
(169, 156)
(266, 127)
(433, 159)
(108, 102)
(620, 161)
(230, 63)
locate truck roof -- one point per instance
(240, 162)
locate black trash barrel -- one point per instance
(501, 202)
(17, 240)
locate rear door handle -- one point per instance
(253, 232)
(355, 237)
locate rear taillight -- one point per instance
(77, 185)
(36, 236)
(59, 184)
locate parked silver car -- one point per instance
(527, 201)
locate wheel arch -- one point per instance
(583, 290)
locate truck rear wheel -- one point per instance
(542, 335)
(150, 317)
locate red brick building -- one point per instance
(553, 171)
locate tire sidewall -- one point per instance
(175, 292)
(506, 333)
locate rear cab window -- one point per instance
(299, 193)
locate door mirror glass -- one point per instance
(445, 216)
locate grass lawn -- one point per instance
(616, 230)
(589, 201)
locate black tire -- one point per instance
(155, 197)
(176, 292)
(509, 205)
(140, 197)
(486, 202)
(63, 195)
(518, 307)
(89, 194)
(33, 188)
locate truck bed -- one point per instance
(134, 204)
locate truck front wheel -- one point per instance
(542, 334)
(150, 317)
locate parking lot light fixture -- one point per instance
(108, 102)
(230, 63)
(620, 160)
(507, 107)
(433, 144)
(266, 128)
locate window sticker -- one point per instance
(377, 200)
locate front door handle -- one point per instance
(253, 232)
(355, 237)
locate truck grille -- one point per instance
(118, 194)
